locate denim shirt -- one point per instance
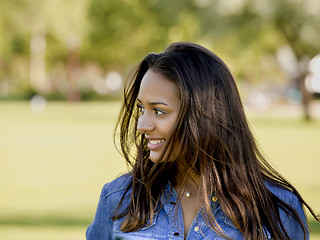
(168, 222)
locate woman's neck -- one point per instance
(189, 186)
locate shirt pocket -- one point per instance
(230, 227)
(146, 232)
(231, 230)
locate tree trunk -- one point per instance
(37, 72)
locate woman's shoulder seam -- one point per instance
(114, 191)
(117, 185)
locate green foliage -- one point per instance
(117, 34)
(123, 31)
(297, 25)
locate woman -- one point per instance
(196, 172)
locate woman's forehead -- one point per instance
(156, 87)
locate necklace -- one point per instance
(185, 192)
(189, 195)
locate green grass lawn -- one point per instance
(54, 164)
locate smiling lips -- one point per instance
(153, 144)
(156, 141)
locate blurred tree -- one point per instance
(298, 22)
(249, 30)
(116, 34)
(33, 21)
(123, 31)
(68, 24)
(14, 46)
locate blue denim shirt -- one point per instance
(168, 223)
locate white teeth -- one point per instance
(156, 141)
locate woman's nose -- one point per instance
(145, 124)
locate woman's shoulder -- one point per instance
(101, 227)
(116, 186)
(283, 193)
(290, 223)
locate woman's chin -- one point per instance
(153, 158)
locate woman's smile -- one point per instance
(154, 144)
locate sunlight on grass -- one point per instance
(43, 233)
(56, 161)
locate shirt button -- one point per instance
(196, 229)
(214, 199)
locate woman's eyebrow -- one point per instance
(153, 103)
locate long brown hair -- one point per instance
(215, 142)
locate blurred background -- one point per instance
(62, 68)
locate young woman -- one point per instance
(196, 171)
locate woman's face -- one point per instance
(159, 104)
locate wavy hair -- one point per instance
(215, 142)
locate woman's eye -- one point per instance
(140, 108)
(159, 112)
